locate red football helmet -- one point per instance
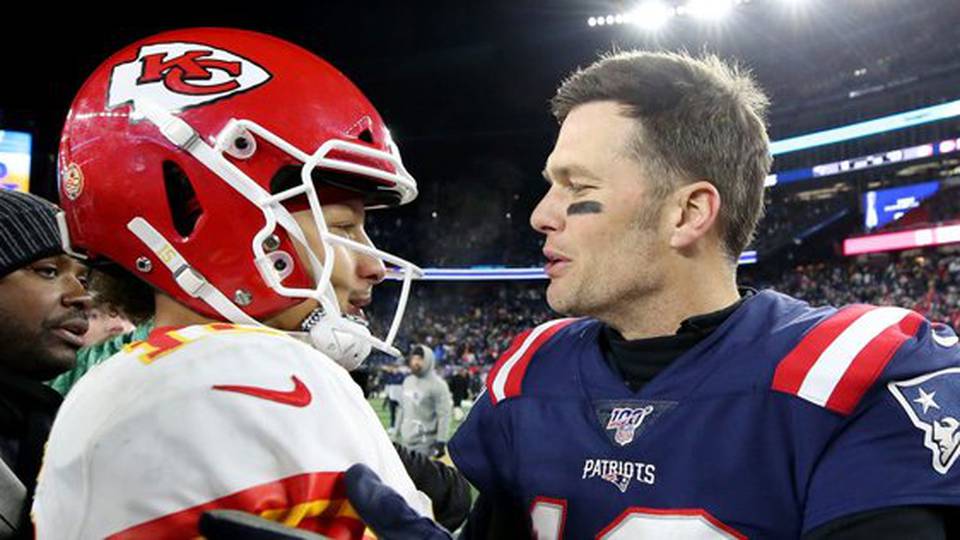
(183, 153)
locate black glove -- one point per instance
(438, 450)
(385, 511)
(238, 525)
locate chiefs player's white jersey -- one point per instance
(214, 416)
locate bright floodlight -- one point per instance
(651, 15)
(712, 10)
(592, 21)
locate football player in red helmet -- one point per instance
(231, 171)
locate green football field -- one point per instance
(384, 414)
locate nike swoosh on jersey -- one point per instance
(298, 397)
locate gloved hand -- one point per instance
(438, 450)
(385, 511)
(381, 508)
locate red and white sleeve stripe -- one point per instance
(838, 360)
(507, 375)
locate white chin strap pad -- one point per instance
(343, 340)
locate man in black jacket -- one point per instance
(43, 304)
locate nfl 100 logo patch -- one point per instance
(624, 421)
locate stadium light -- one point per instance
(652, 15)
(710, 10)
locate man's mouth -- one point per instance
(556, 263)
(355, 307)
(71, 331)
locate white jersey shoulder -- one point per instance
(222, 415)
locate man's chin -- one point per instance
(55, 361)
(560, 299)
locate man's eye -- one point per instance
(48, 272)
(346, 230)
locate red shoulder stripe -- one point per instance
(837, 362)
(514, 345)
(510, 369)
(871, 361)
(794, 368)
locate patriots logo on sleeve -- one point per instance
(932, 402)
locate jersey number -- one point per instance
(549, 516)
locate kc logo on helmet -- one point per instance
(177, 76)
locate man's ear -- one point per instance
(699, 207)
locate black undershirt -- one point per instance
(639, 361)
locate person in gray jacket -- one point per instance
(423, 422)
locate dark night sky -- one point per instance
(459, 83)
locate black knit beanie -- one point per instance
(28, 230)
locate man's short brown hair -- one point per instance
(697, 119)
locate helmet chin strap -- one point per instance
(346, 339)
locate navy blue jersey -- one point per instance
(784, 418)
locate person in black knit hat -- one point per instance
(43, 305)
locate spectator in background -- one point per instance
(43, 304)
(393, 391)
(137, 302)
(423, 424)
(106, 321)
(459, 386)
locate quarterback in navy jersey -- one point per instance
(782, 419)
(674, 404)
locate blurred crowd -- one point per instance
(927, 283)
(467, 325)
(470, 325)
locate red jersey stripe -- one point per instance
(515, 377)
(870, 363)
(270, 497)
(793, 369)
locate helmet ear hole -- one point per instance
(185, 209)
(285, 178)
(366, 136)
